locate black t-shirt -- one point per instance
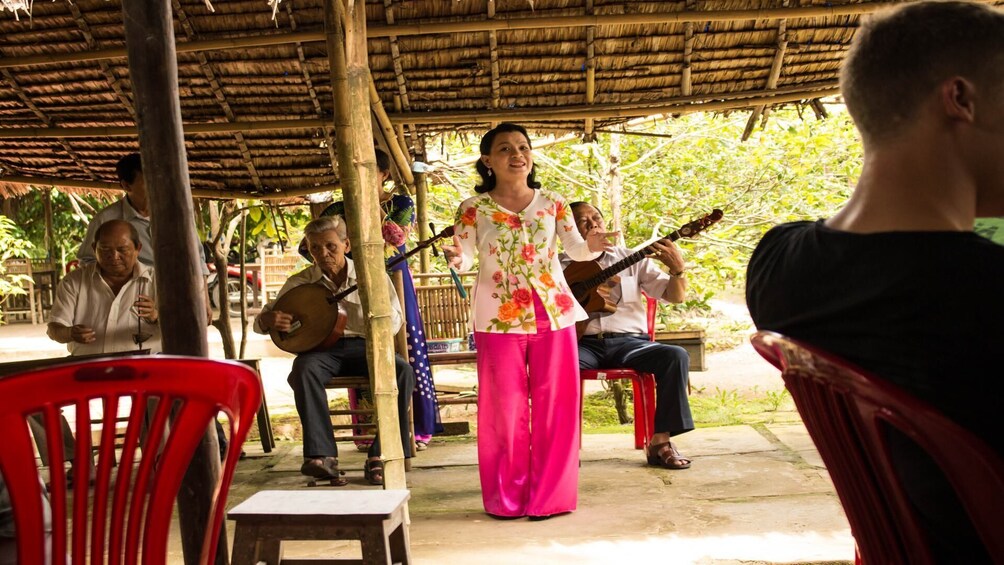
(923, 309)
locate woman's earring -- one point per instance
(489, 172)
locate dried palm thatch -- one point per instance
(256, 98)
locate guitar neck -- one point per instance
(395, 261)
(601, 277)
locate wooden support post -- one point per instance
(153, 70)
(357, 164)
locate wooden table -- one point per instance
(374, 517)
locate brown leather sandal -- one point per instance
(667, 457)
(373, 471)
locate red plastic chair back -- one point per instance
(847, 413)
(643, 386)
(171, 402)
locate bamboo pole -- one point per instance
(357, 163)
(153, 70)
(396, 151)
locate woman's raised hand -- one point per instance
(599, 240)
(452, 253)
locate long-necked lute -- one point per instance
(585, 277)
(317, 323)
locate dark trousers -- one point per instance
(669, 363)
(311, 371)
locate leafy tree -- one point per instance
(12, 244)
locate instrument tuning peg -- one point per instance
(432, 230)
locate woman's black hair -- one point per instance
(488, 181)
(382, 160)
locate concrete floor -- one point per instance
(755, 494)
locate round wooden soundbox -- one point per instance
(317, 323)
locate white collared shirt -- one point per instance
(355, 326)
(631, 315)
(84, 298)
(517, 256)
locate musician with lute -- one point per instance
(616, 334)
(342, 353)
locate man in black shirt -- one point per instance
(897, 282)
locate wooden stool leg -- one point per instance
(270, 551)
(400, 548)
(376, 547)
(245, 551)
(265, 427)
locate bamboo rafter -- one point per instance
(493, 57)
(329, 141)
(19, 92)
(221, 96)
(775, 73)
(106, 69)
(686, 86)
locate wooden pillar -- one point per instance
(153, 70)
(422, 213)
(350, 77)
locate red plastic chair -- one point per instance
(643, 388)
(847, 412)
(128, 514)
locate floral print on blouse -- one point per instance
(518, 255)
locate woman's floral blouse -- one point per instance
(518, 255)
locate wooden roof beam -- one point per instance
(698, 103)
(196, 192)
(221, 96)
(607, 111)
(476, 25)
(775, 73)
(329, 141)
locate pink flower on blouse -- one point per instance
(529, 253)
(513, 279)
(513, 221)
(522, 297)
(497, 277)
(564, 302)
(393, 234)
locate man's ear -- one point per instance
(348, 245)
(957, 97)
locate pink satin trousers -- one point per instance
(528, 420)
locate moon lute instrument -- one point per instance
(317, 322)
(585, 278)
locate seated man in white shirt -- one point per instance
(620, 339)
(102, 307)
(327, 242)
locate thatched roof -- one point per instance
(256, 117)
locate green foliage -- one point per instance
(68, 226)
(794, 169)
(12, 244)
